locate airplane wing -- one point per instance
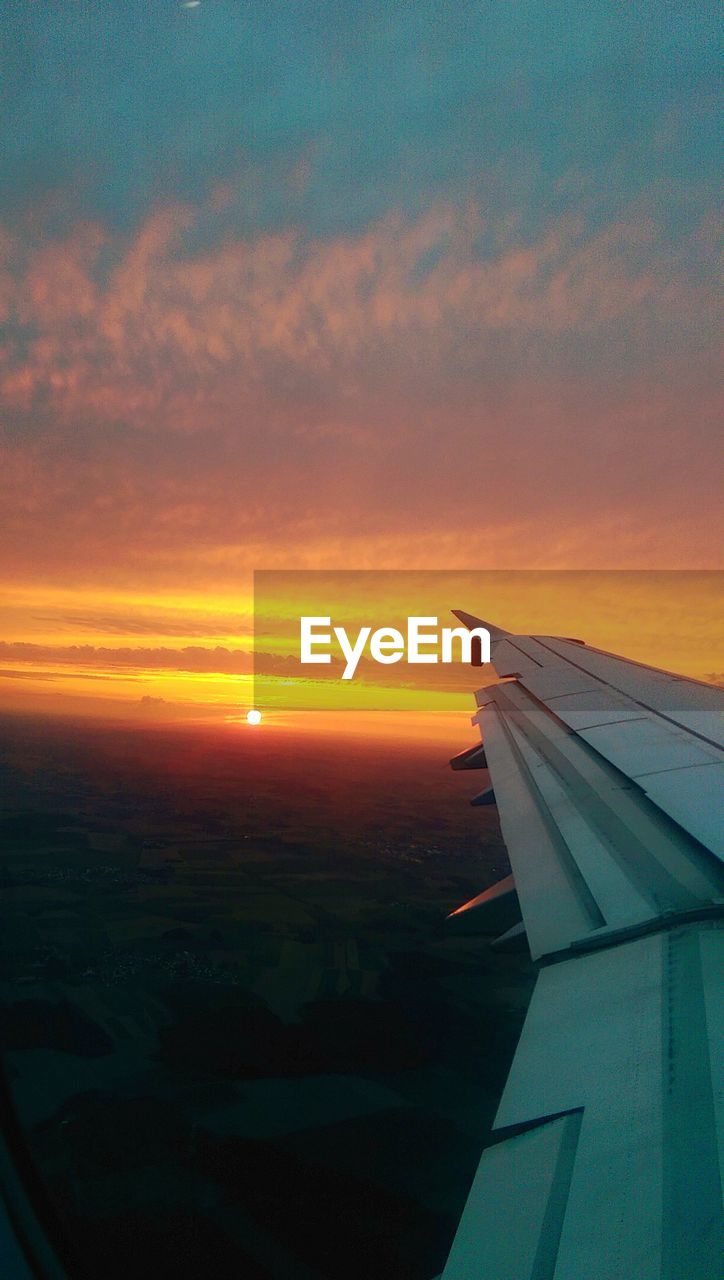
(607, 1145)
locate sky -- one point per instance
(343, 284)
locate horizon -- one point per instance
(82, 656)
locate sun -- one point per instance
(253, 717)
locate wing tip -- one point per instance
(470, 621)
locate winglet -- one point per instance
(470, 621)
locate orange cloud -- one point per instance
(427, 392)
(190, 658)
(168, 334)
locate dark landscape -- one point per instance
(240, 1035)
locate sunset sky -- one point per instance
(290, 284)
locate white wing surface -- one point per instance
(608, 1139)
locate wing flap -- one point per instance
(588, 848)
(618, 1047)
(694, 798)
(553, 911)
(522, 1187)
(643, 721)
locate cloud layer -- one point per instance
(442, 382)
